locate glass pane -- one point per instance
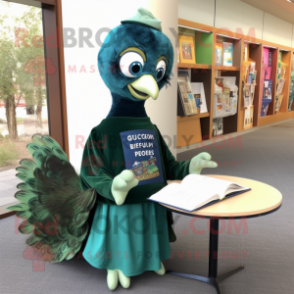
(23, 93)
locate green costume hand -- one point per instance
(201, 161)
(122, 184)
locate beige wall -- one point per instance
(235, 14)
(163, 111)
(277, 31)
(197, 10)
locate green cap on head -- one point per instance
(145, 17)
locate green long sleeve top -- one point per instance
(103, 159)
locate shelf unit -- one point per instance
(196, 128)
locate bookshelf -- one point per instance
(254, 54)
(196, 128)
(286, 68)
(200, 127)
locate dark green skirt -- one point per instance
(132, 238)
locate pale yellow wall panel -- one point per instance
(252, 21)
(197, 10)
(228, 14)
(277, 30)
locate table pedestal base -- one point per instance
(209, 280)
(213, 279)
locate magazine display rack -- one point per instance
(225, 97)
(219, 53)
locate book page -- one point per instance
(205, 186)
(208, 186)
(174, 195)
(195, 191)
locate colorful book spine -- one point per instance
(228, 54)
(219, 54)
(265, 56)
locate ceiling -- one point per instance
(279, 8)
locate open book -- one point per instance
(196, 191)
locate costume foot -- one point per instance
(124, 280)
(112, 279)
(161, 271)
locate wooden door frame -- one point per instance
(56, 94)
(53, 45)
(54, 55)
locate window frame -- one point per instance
(56, 91)
(56, 94)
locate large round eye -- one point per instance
(131, 64)
(160, 70)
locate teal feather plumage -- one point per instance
(53, 205)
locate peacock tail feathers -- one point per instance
(53, 206)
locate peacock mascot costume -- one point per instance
(104, 212)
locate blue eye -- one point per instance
(160, 74)
(160, 70)
(131, 64)
(135, 68)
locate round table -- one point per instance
(261, 200)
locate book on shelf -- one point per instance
(248, 117)
(186, 95)
(283, 70)
(196, 192)
(280, 56)
(199, 95)
(225, 97)
(246, 72)
(279, 100)
(249, 72)
(218, 126)
(265, 73)
(250, 78)
(254, 74)
(280, 86)
(187, 49)
(265, 106)
(279, 71)
(267, 57)
(267, 89)
(219, 54)
(267, 97)
(270, 58)
(252, 93)
(246, 94)
(245, 52)
(291, 94)
(249, 83)
(252, 67)
(228, 54)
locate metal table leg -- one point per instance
(212, 278)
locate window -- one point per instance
(32, 91)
